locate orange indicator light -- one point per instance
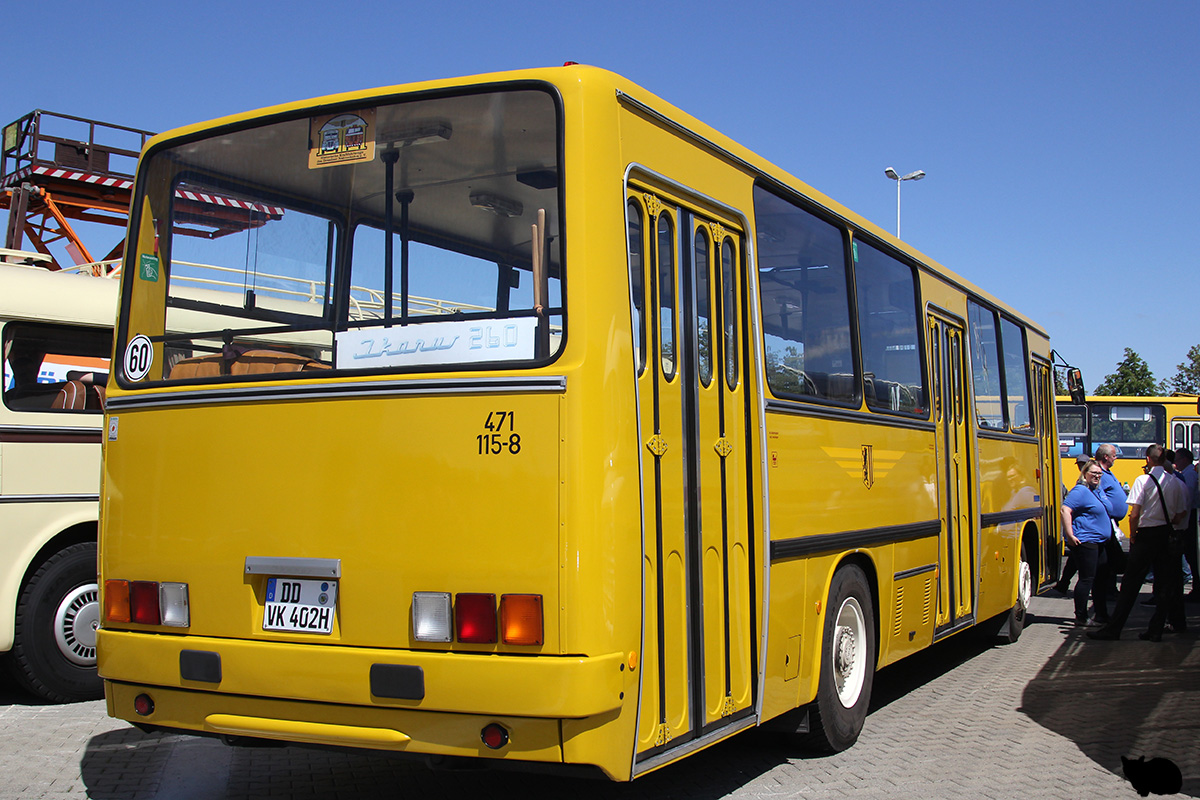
(116, 601)
(521, 618)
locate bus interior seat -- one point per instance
(71, 397)
(77, 395)
(249, 362)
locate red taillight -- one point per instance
(521, 619)
(475, 618)
(494, 736)
(143, 602)
(143, 704)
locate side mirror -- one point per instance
(1075, 386)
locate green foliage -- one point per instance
(1131, 379)
(1187, 374)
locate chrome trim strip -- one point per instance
(295, 567)
(339, 390)
(50, 429)
(50, 498)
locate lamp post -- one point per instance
(912, 176)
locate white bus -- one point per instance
(56, 330)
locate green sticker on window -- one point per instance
(148, 268)
(854, 249)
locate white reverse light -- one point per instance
(173, 604)
(432, 618)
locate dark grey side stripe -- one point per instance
(908, 573)
(50, 498)
(341, 389)
(1009, 517)
(872, 537)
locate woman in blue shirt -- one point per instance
(1086, 525)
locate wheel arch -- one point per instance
(74, 533)
(1032, 540)
(862, 560)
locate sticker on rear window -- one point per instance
(139, 355)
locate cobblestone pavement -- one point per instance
(1048, 717)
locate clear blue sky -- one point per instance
(1058, 137)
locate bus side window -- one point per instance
(637, 282)
(665, 255)
(985, 367)
(57, 368)
(729, 314)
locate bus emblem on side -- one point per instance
(868, 464)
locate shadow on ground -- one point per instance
(1127, 698)
(127, 764)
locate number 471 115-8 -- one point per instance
(501, 436)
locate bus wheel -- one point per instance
(847, 663)
(1014, 621)
(54, 653)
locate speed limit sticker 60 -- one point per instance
(139, 355)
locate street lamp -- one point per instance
(912, 176)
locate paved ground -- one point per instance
(1048, 717)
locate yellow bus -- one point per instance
(543, 423)
(1129, 424)
(56, 330)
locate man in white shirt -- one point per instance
(1157, 505)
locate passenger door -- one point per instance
(687, 271)
(1185, 435)
(956, 580)
(1048, 465)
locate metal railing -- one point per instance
(61, 140)
(368, 304)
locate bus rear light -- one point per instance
(521, 619)
(143, 602)
(173, 604)
(116, 601)
(432, 617)
(494, 736)
(143, 704)
(475, 618)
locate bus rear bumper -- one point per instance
(393, 729)
(560, 687)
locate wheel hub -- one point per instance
(75, 624)
(844, 653)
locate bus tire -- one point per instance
(1013, 622)
(847, 663)
(54, 651)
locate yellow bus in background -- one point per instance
(525, 417)
(56, 330)
(1129, 424)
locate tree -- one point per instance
(1131, 379)
(1187, 374)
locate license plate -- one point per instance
(300, 606)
